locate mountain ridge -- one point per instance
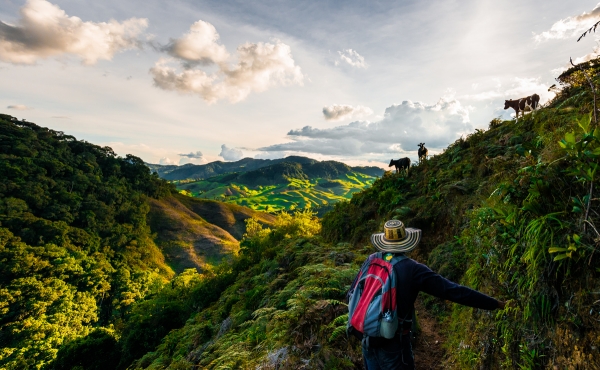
(204, 171)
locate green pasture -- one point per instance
(294, 194)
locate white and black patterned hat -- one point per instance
(396, 238)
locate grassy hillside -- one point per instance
(511, 211)
(193, 232)
(283, 186)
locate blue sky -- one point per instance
(355, 81)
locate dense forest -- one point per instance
(511, 211)
(75, 249)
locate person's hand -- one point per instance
(501, 304)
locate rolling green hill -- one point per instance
(285, 185)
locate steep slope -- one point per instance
(229, 217)
(194, 233)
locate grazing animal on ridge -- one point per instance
(521, 105)
(422, 152)
(401, 164)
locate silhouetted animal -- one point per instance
(422, 152)
(521, 105)
(401, 164)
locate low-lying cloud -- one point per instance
(165, 161)
(44, 30)
(196, 155)
(231, 154)
(570, 26)
(18, 107)
(352, 58)
(401, 129)
(259, 66)
(338, 112)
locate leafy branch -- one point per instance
(590, 30)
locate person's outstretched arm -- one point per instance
(438, 286)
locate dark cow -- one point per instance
(521, 105)
(422, 152)
(401, 164)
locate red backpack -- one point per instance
(372, 297)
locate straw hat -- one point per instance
(396, 238)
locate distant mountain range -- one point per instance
(272, 184)
(205, 171)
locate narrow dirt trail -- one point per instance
(428, 350)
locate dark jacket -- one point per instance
(413, 277)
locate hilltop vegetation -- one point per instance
(287, 185)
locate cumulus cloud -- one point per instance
(199, 45)
(231, 154)
(593, 55)
(401, 129)
(514, 88)
(166, 161)
(19, 107)
(339, 112)
(259, 66)
(570, 26)
(352, 58)
(44, 30)
(192, 155)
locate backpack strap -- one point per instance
(397, 258)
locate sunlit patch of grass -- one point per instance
(294, 194)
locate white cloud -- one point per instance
(593, 55)
(44, 30)
(166, 161)
(186, 160)
(571, 26)
(231, 154)
(259, 67)
(192, 155)
(19, 107)
(515, 88)
(401, 129)
(271, 155)
(199, 45)
(339, 112)
(352, 57)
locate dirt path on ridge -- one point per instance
(428, 350)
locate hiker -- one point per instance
(375, 316)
